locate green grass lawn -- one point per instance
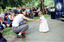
(8, 29)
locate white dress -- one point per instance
(43, 25)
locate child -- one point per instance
(43, 25)
(2, 39)
(2, 22)
(12, 16)
(10, 19)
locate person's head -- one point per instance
(19, 7)
(33, 7)
(23, 11)
(10, 9)
(7, 11)
(2, 12)
(37, 8)
(12, 14)
(51, 7)
(40, 14)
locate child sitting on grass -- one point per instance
(1, 37)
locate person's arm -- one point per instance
(6, 16)
(10, 17)
(28, 18)
(24, 21)
(39, 20)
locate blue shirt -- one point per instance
(5, 16)
(27, 10)
(1, 27)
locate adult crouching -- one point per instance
(20, 29)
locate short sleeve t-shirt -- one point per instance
(17, 20)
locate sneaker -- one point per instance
(18, 36)
(23, 35)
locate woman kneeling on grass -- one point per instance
(20, 29)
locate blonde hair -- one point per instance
(40, 13)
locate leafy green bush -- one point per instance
(36, 3)
(49, 3)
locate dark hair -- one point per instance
(22, 10)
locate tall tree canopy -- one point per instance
(26, 3)
(10, 2)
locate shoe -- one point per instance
(23, 36)
(18, 36)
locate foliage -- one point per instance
(36, 3)
(10, 2)
(26, 3)
(31, 3)
(49, 3)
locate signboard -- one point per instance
(58, 8)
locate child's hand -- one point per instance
(39, 20)
(24, 22)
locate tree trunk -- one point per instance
(42, 6)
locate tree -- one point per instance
(42, 6)
(10, 2)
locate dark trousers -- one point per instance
(21, 28)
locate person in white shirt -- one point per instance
(2, 15)
(22, 28)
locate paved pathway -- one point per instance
(56, 33)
